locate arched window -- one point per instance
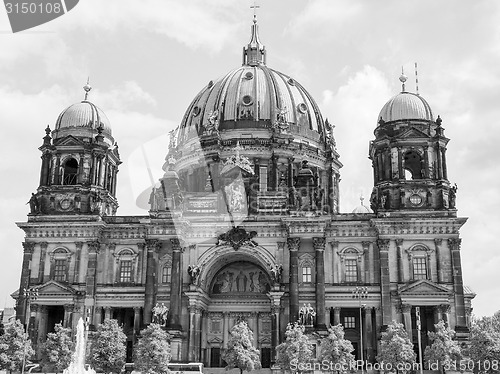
(419, 257)
(59, 259)
(70, 172)
(126, 266)
(413, 165)
(166, 274)
(306, 264)
(350, 260)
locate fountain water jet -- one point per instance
(77, 365)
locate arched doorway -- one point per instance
(237, 292)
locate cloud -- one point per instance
(354, 109)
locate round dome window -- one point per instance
(302, 108)
(196, 111)
(415, 199)
(291, 82)
(247, 100)
(248, 75)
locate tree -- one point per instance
(240, 351)
(15, 347)
(444, 350)
(396, 349)
(484, 344)
(296, 349)
(152, 353)
(336, 350)
(57, 350)
(108, 351)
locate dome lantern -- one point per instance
(254, 53)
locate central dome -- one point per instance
(253, 96)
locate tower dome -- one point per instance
(82, 119)
(253, 96)
(406, 106)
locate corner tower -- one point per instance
(79, 164)
(409, 157)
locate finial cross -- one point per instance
(255, 7)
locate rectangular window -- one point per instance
(351, 270)
(60, 270)
(125, 271)
(216, 326)
(263, 178)
(349, 322)
(419, 268)
(166, 274)
(306, 274)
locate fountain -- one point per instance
(77, 365)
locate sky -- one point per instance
(147, 59)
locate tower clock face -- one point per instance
(65, 204)
(415, 199)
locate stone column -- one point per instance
(21, 306)
(194, 341)
(369, 334)
(437, 243)
(336, 315)
(426, 173)
(226, 329)
(443, 163)
(97, 315)
(444, 313)
(137, 320)
(41, 263)
(399, 243)
(400, 163)
(458, 288)
(327, 317)
(439, 164)
(406, 310)
(152, 246)
(93, 251)
(68, 310)
(107, 312)
(319, 247)
(385, 290)
(198, 320)
(275, 297)
(44, 173)
(293, 248)
(78, 255)
(175, 286)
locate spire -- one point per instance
(87, 89)
(254, 53)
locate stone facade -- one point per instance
(245, 225)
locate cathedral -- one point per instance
(245, 225)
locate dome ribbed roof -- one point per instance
(406, 106)
(79, 118)
(253, 96)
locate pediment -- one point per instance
(423, 287)
(215, 340)
(54, 288)
(412, 132)
(69, 140)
